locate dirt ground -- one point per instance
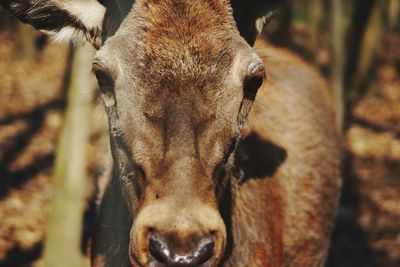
(30, 118)
(31, 104)
(32, 99)
(368, 224)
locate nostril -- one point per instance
(205, 252)
(161, 253)
(159, 250)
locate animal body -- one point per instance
(223, 154)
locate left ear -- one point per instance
(251, 16)
(66, 20)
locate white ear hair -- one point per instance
(66, 34)
(66, 20)
(89, 13)
(261, 22)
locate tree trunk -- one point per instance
(315, 7)
(63, 243)
(25, 41)
(393, 13)
(369, 43)
(337, 69)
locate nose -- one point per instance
(161, 249)
(162, 237)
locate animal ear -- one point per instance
(252, 15)
(66, 20)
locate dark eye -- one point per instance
(254, 78)
(106, 82)
(219, 173)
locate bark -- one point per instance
(25, 41)
(368, 46)
(337, 69)
(63, 242)
(393, 13)
(315, 7)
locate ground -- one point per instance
(32, 100)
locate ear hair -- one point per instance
(262, 21)
(115, 14)
(64, 19)
(252, 15)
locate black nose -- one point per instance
(162, 253)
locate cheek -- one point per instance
(216, 151)
(215, 148)
(209, 148)
(145, 142)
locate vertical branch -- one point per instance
(25, 41)
(337, 70)
(368, 46)
(393, 13)
(63, 243)
(315, 7)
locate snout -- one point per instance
(163, 251)
(189, 236)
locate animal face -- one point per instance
(177, 81)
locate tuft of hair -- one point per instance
(265, 15)
(66, 35)
(64, 20)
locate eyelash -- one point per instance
(104, 78)
(251, 85)
(105, 81)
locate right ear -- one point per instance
(66, 20)
(251, 15)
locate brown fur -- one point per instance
(176, 80)
(292, 111)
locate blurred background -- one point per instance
(354, 43)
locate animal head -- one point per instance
(177, 79)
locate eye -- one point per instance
(219, 173)
(104, 78)
(254, 78)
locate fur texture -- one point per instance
(65, 20)
(178, 79)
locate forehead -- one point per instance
(173, 39)
(177, 50)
